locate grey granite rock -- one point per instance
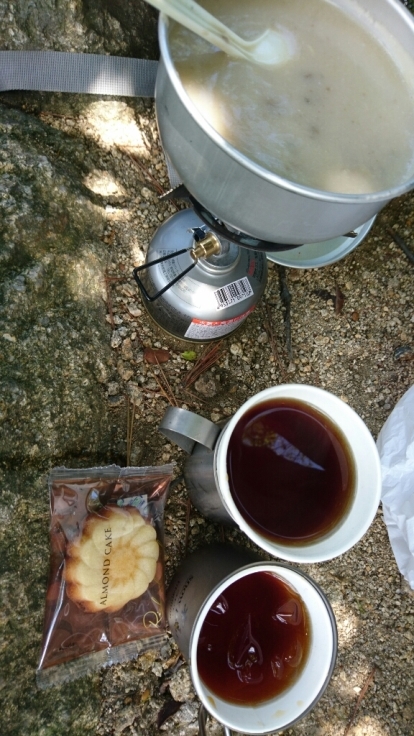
(53, 336)
(54, 341)
(116, 27)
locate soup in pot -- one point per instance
(338, 116)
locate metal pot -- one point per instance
(243, 194)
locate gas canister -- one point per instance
(197, 285)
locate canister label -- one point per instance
(201, 329)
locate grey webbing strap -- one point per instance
(58, 71)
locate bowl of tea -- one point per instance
(299, 472)
(263, 648)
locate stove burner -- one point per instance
(235, 236)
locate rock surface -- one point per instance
(114, 27)
(80, 178)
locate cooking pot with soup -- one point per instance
(298, 152)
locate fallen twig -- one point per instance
(164, 385)
(195, 396)
(339, 299)
(167, 395)
(208, 357)
(150, 178)
(401, 243)
(286, 298)
(361, 696)
(44, 115)
(109, 279)
(130, 429)
(109, 301)
(268, 325)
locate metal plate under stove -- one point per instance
(317, 255)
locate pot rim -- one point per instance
(273, 178)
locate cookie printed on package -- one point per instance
(105, 601)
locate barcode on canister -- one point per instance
(235, 292)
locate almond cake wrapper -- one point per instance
(105, 600)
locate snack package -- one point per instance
(105, 600)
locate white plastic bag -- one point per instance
(396, 448)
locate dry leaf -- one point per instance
(339, 300)
(361, 696)
(154, 357)
(167, 710)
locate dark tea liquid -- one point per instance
(291, 472)
(254, 641)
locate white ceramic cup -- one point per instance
(297, 700)
(359, 516)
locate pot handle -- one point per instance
(202, 716)
(185, 429)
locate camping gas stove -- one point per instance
(202, 278)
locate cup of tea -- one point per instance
(261, 640)
(296, 469)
